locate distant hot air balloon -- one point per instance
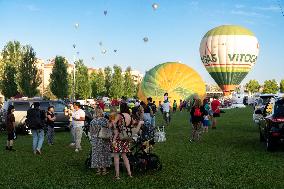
(101, 43)
(105, 12)
(78, 52)
(155, 6)
(228, 53)
(93, 58)
(104, 51)
(145, 39)
(74, 46)
(115, 50)
(178, 80)
(76, 25)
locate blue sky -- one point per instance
(174, 30)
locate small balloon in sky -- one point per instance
(78, 52)
(145, 39)
(77, 25)
(74, 46)
(115, 50)
(93, 58)
(101, 43)
(104, 51)
(155, 6)
(105, 12)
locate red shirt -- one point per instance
(102, 106)
(215, 106)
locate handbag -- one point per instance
(105, 133)
(160, 135)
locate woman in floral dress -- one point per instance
(121, 146)
(101, 152)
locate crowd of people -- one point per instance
(106, 131)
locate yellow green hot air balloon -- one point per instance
(179, 80)
(228, 53)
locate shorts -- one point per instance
(206, 123)
(11, 136)
(216, 114)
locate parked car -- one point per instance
(259, 104)
(271, 124)
(22, 106)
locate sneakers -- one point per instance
(38, 152)
(72, 144)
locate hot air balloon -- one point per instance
(145, 39)
(78, 52)
(76, 25)
(105, 12)
(93, 58)
(74, 46)
(155, 6)
(101, 43)
(228, 53)
(178, 80)
(115, 50)
(104, 51)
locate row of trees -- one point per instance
(269, 86)
(18, 71)
(107, 82)
(19, 75)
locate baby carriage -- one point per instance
(140, 158)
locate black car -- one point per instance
(271, 124)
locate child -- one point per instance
(206, 122)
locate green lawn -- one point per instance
(229, 157)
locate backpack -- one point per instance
(197, 112)
(34, 120)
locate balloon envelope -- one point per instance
(105, 12)
(179, 80)
(145, 39)
(155, 6)
(228, 53)
(77, 25)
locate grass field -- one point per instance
(229, 157)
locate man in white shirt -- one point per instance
(166, 111)
(78, 121)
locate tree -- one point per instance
(252, 86)
(98, 84)
(83, 87)
(47, 94)
(282, 86)
(11, 57)
(8, 81)
(270, 86)
(108, 79)
(137, 87)
(59, 78)
(28, 75)
(116, 88)
(129, 86)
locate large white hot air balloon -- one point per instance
(228, 53)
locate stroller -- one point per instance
(140, 158)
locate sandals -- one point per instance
(116, 178)
(104, 172)
(98, 172)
